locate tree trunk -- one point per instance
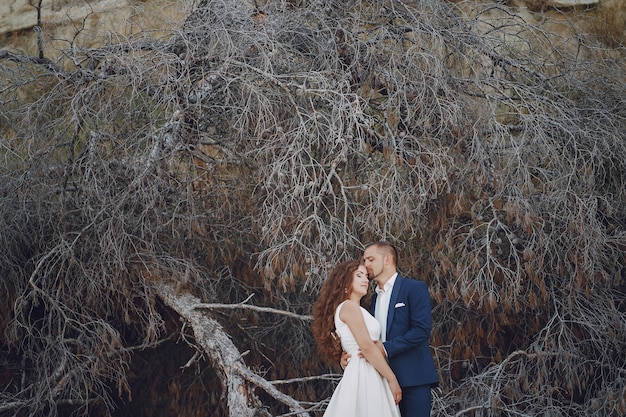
(238, 379)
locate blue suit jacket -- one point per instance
(409, 322)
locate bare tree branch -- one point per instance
(243, 305)
(222, 352)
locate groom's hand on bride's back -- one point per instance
(345, 358)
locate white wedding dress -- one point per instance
(362, 392)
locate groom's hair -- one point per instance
(386, 247)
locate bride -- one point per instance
(369, 387)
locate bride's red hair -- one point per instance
(333, 292)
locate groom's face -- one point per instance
(374, 262)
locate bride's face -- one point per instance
(360, 282)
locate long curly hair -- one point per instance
(333, 292)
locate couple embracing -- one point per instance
(388, 366)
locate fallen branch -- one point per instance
(243, 305)
(217, 345)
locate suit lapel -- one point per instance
(373, 304)
(392, 302)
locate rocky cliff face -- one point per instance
(61, 19)
(20, 15)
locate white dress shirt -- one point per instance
(382, 305)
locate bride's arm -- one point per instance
(351, 314)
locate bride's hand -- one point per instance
(396, 391)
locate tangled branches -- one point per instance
(252, 147)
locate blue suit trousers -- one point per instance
(416, 401)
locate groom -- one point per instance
(402, 306)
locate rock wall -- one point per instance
(61, 18)
(19, 15)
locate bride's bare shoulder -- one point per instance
(349, 309)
